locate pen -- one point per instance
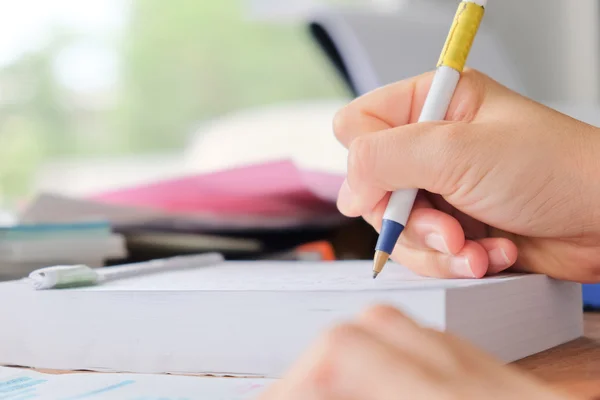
(449, 67)
(66, 276)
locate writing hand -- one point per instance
(507, 182)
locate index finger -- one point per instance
(400, 103)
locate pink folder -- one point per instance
(270, 189)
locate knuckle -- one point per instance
(449, 350)
(590, 271)
(381, 314)
(339, 337)
(452, 147)
(360, 158)
(458, 142)
(450, 136)
(474, 77)
(469, 96)
(322, 375)
(594, 272)
(341, 124)
(446, 142)
(334, 342)
(476, 81)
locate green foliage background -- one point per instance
(181, 62)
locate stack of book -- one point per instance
(254, 211)
(26, 247)
(255, 318)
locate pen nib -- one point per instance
(378, 262)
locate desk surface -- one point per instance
(574, 366)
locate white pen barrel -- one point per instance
(438, 100)
(400, 205)
(434, 109)
(449, 67)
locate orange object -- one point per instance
(324, 248)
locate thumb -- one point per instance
(434, 156)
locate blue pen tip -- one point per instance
(388, 236)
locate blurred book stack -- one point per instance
(26, 247)
(266, 210)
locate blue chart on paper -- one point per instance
(102, 390)
(20, 388)
(26, 387)
(25, 384)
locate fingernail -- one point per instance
(437, 242)
(461, 267)
(346, 203)
(498, 257)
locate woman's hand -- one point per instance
(507, 181)
(386, 356)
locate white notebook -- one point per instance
(256, 318)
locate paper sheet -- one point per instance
(288, 276)
(22, 384)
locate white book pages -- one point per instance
(290, 276)
(256, 318)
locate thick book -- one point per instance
(256, 318)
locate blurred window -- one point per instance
(105, 77)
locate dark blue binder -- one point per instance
(591, 296)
